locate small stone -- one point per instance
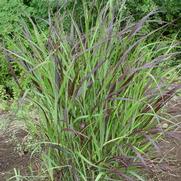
(164, 125)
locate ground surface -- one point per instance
(12, 154)
(11, 157)
(171, 148)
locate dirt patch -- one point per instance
(170, 147)
(10, 158)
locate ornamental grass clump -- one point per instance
(99, 87)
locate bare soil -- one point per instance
(10, 158)
(170, 147)
(171, 155)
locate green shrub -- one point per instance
(2, 92)
(99, 94)
(11, 14)
(170, 12)
(4, 70)
(5, 78)
(171, 8)
(140, 7)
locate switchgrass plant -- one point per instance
(99, 89)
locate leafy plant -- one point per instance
(140, 8)
(99, 89)
(172, 8)
(170, 12)
(11, 14)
